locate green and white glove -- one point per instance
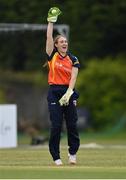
(66, 97)
(53, 14)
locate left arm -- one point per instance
(65, 98)
(73, 79)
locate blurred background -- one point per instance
(97, 37)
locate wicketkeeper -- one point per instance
(62, 97)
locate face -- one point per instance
(62, 45)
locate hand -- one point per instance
(65, 98)
(53, 14)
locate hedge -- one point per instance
(102, 87)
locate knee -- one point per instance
(56, 128)
(72, 126)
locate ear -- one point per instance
(55, 45)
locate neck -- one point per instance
(63, 53)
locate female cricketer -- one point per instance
(63, 71)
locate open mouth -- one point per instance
(64, 47)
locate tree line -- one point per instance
(97, 29)
(97, 38)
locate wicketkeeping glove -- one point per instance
(65, 98)
(53, 14)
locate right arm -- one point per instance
(53, 14)
(49, 39)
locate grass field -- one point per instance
(104, 161)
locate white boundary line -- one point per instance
(82, 146)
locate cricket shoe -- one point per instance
(72, 159)
(58, 162)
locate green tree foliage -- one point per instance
(97, 27)
(21, 51)
(97, 30)
(102, 88)
(2, 96)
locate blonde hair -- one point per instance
(56, 38)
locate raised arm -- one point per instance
(49, 39)
(53, 14)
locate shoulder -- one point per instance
(52, 54)
(74, 60)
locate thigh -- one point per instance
(70, 113)
(55, 110)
